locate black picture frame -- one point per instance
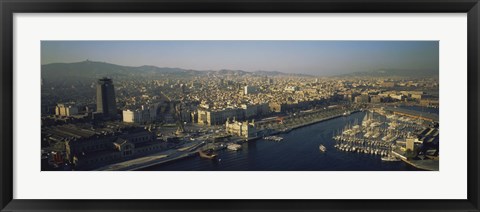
(9, 7)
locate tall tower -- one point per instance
(106, 98)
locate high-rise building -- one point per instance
(106, 98)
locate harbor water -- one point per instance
(298, 151)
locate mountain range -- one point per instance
(94, 70)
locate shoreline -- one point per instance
(318, 121)
(122, 166)
(424, 165)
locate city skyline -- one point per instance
(299, 57)
(113, 117)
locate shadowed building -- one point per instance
(87, 147)
(106, 98)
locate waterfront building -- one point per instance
(66, 110)
(216, 117)
(106, 102)
(242, 129)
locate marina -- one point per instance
(375, 134)
(386, 133)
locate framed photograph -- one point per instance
(239, 105)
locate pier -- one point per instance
(155, 159)
(427, 165)
(310, 118)
(144, 162)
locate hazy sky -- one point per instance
(309, 57)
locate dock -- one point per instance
(314, 121)
(144, 162)
(153, 159)
(427, 165)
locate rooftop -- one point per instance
(432, 116)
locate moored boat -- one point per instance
(209, 154)
(390, 158)
(322, 148)
(273, 138)
(234, 147)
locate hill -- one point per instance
(94, 70)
